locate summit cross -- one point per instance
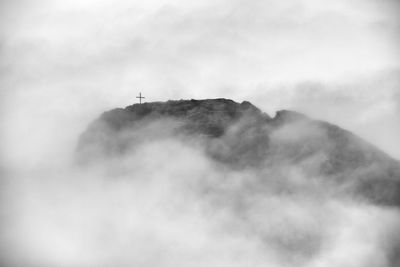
(140, 98)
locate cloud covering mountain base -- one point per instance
(166, 202)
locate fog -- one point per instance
(166, 202)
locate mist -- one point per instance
(166, 202)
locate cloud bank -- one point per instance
(62, 63)
(165, 202)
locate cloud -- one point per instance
(367, 106)
(63, 63)
(268, 40)
(165, 202)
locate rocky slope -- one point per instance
(240, 136)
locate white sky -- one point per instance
(64, 62)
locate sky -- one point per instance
(65, 62)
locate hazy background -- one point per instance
(64, 62)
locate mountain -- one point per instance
(239, 136)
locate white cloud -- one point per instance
(64, 62)
(166, 203)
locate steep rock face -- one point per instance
(210, 117)
(239, 135)
(201, 118)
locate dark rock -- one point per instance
(242, 136)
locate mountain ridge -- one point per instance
(240, 135)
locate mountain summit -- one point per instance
(240, 136)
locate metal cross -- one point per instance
(140, 98)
